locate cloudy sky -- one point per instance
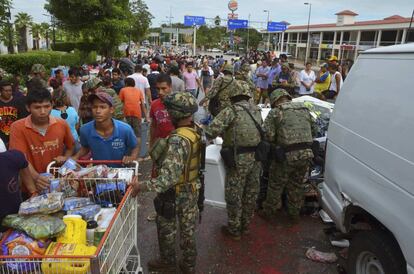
(293, 11)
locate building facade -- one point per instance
(346, 38)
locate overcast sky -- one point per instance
(293, 11)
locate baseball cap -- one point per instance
(333, 58)
(102, 96)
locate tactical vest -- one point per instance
(243, 131)
(294, 126)
(192, 165)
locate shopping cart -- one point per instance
(117, 251)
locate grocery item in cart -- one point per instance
(110, 193)
(69, 166)
(67, 266)
(17, 243)
(75, 231)
(36, 226)
(75, 202)
(46, 203)
(87, 212)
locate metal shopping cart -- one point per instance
(117, 251)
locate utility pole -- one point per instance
(194, 40)
(170, 20)
(268, 33)
(248, 35)
(308, 40)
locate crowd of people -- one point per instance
(98, 111)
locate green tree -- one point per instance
(5, 37)
(36, 30)
(22, 22)
(45, 31)
(103, 22)
(254, 37)
(6, 29)
(140, 20)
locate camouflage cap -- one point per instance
(38, 68)
(241, 90)
(181, 104)
(229, 68)
(245, 68)
(277, 94)
(93, 83)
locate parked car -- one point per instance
(230, 52)
(216, 50)
(369, 173)
(288, 55)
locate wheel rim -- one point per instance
(368, 263)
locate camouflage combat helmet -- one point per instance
(241, 90)
(93, 83)
(229, 68)
(181, 105)
(245, 68)
(277, 94)
(38, 68)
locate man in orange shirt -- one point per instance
(134, 107)
(41, 137)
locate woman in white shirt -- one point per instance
(307, 80)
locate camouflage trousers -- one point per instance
(289, 177)
(241, 190)
(187, 213)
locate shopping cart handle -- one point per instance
(84, 162)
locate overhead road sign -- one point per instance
(194, 21)
(276, 26)
(233, 24)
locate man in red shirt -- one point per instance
(41, 137)
(161, 125)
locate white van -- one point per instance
(369, 176)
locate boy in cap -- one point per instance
(107, 138)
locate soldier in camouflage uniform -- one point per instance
(288, 126)
(223, 87)
(179, 159)
(243, 78)
(37, 78)
(241, 135)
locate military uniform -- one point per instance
(245, 81)
(239, 132)
(222, 88)
(178, 174)
(36, 81)
(288, 126)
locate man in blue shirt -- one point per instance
(105, 137)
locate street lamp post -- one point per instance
(308, 40)
(268, 33)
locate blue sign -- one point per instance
(237, 24)
(194, 21)
(276, 26)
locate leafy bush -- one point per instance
(70, 46)
(23, 62)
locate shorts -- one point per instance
(135, 123)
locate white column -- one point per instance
(333, 43)
(282, 41)
(396, 37)
(320, 46)
(379, 38)
(341, 41)
(404, 36)
(357, 45)
(288, 41)
(297, 45)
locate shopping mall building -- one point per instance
(346, 38)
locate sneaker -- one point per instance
(226, 232)
(152, 217)
(158, 265)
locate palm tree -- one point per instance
(36, 33)
(22, 22)
(44, 32)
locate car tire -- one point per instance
(375, 252)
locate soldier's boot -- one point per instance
(160, 266)
(226, 232)
(186, 269)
